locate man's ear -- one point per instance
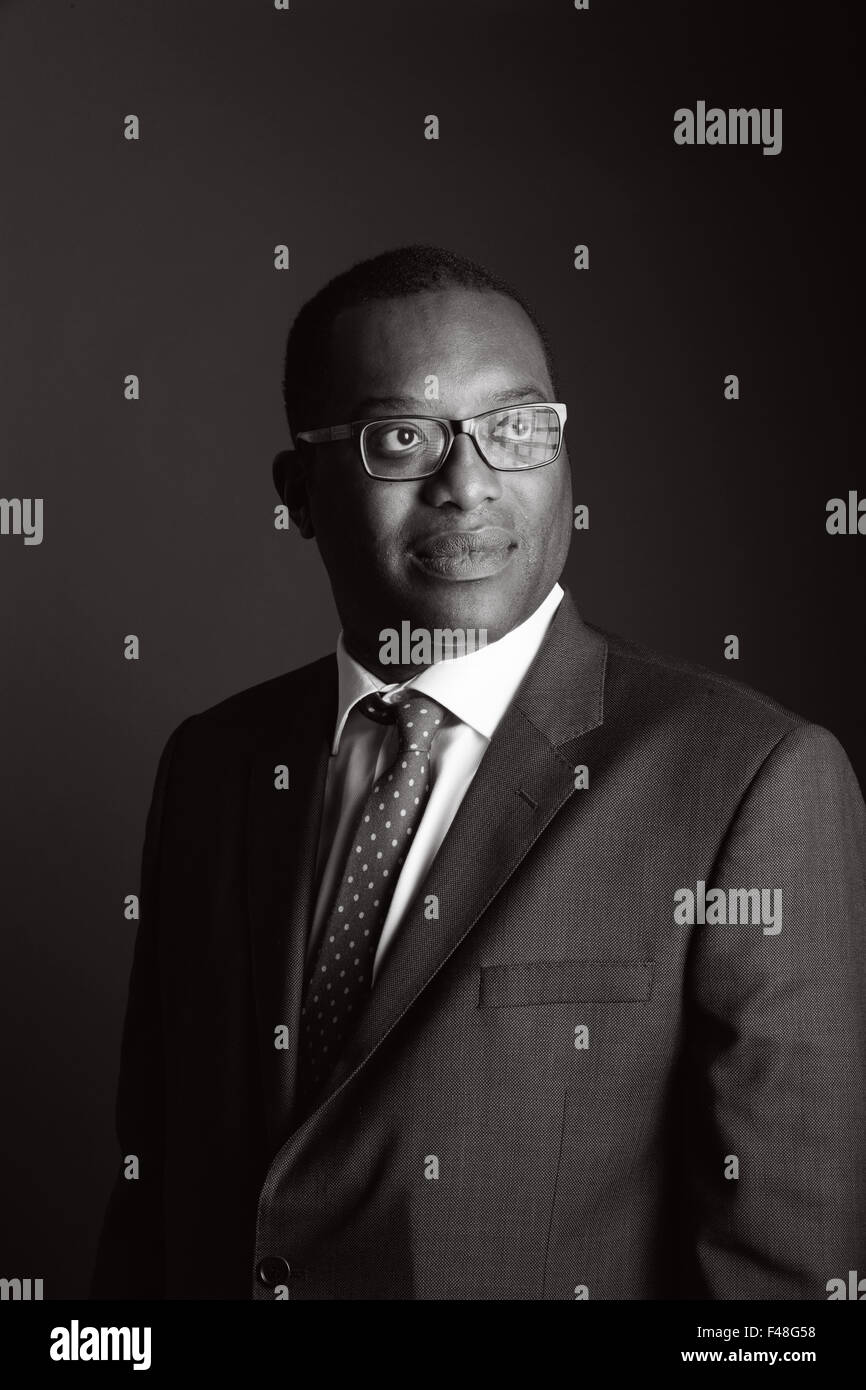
(289, 473)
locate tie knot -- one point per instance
(419, 719)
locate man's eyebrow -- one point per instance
(395, 405)
(519, 393)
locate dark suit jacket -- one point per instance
(561, 1169)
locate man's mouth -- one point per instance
(466, 554)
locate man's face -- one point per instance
(376, 536)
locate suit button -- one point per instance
(273, 1269)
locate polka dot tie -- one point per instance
(342, 971)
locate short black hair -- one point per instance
(406, 270)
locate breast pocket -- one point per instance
(529, 983)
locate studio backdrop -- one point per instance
(176, 180)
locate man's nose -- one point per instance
(464, 478)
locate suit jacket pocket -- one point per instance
(563, 982)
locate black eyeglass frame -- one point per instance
(357, 429)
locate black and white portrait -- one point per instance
(432, 543)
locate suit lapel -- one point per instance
(282, 839)
(521, 784)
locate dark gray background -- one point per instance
(707, 517)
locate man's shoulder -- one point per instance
(270, 704)
(694, 713)
(642, 678)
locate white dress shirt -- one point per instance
(475, 691)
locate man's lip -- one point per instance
(485, 540)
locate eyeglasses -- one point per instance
(512, 439)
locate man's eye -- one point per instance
(398, 438)
(514, 425)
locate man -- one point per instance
(532, 968)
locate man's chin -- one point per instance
(488, 605)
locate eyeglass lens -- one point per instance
(519, 437)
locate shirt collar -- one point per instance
(477, 688)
